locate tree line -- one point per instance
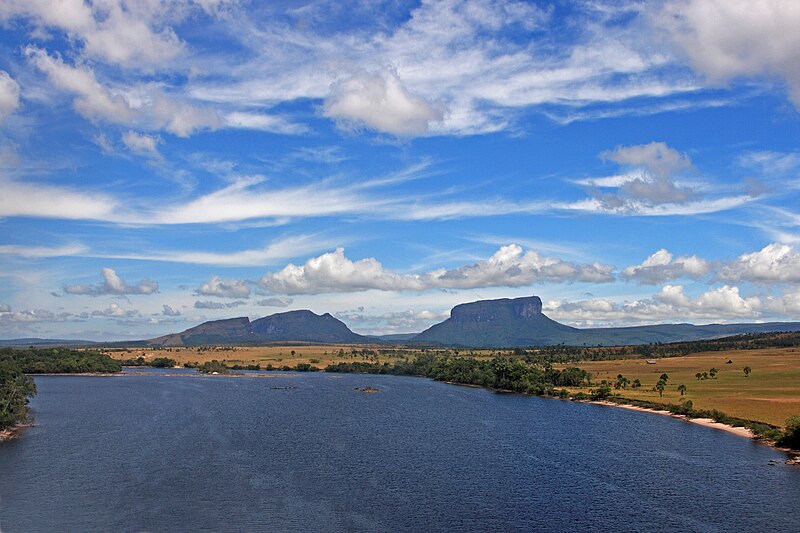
(60, 360)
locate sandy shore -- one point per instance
(706, 422)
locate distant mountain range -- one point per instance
(301, 326)
(483, 324)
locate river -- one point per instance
(308, 452)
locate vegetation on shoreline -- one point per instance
(16, 389)
(60, 361)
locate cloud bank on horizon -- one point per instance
(629, 162)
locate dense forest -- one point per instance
(502, 373)
(59, 360)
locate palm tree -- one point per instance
(682, 389)
(664, 377)
(747, 371)
(660, 386)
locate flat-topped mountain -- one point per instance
(504, 322)
(520, 322)
(302, 326)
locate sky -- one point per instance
(164, 163)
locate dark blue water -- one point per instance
(160, 453)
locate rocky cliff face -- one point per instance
(503, 322)
(493, 310)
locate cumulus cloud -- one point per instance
(670, 304)
(224, 288)
(661, 267)
(113, 284)
(658, 165)
(381, 102)
(9, 95)
(5, 308)
(510, 266)
(775, 263)
(729, 39)
(408, 321)
(167, 310)
(207, 304)
(129, 34)
(142, 144)
(116, 311)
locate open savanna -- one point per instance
(318, 355)
(770, 394)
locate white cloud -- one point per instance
(281, 248)
(661, 267)
(51, 201)
(167, 310)
(262, 122)
(224, 288)
(729, 39)
(381, 102)
(144, 106)
(9, 95)
(408, 321)
(142, 144)
(113, 284)
(670, 304)
(129, 34)
(36, 252)
(4, 308)
(93, 100)
(116, 311)
(659, 164)
(510, 266)
(775, 263)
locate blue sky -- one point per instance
(166, 163)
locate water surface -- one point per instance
(191, 453)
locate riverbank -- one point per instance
(794, 455)
(14, 431)
(705, 422)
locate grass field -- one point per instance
(770, 394)
(278, 356)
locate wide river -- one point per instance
(307, 452)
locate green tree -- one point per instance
(699, 376)
(747, 371)
(791, 437)
(663, 377)
(636, 384)
(660, 386)
(15, 390)
(713, 373)
(622, 382)
(682, 389)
